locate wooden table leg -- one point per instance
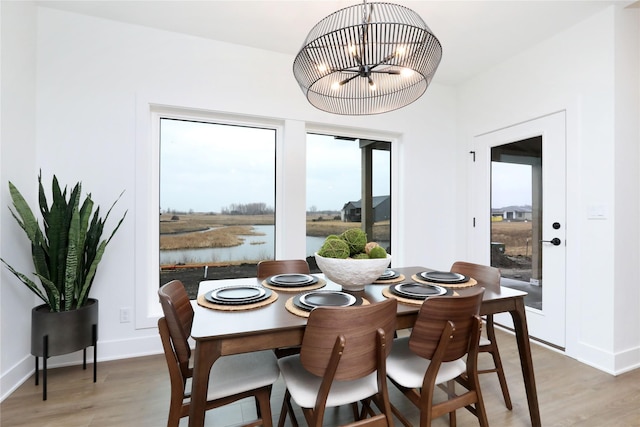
(206, 352)
(524, 349)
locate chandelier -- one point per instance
(367, 59)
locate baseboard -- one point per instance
(22, 371)
(16, 375)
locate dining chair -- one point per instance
(446, 330)
(232, 378)
(489, 278)
(268, 268)
(342, 362)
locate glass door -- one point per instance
(519, 204)
(516, 216)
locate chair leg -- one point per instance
(287, 408)
(400, 416)
(284, 409)
(497, 362)
(451, 392)
(263, 408)
(501, 378)
(356, 412)
(480, 411)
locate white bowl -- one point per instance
(352, 274)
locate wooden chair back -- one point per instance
(436, 314)
(282, 266)
(179, 319)
(357, 327)
(488, 277)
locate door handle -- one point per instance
(555, 241)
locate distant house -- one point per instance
(352, 211)
(512, 213)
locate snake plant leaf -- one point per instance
(27, 221)
(23, 213)
(73, 251)
(24, 279)
(84, 292)
(86, 246)
(90, 275)
(57, 224)
(53, 293)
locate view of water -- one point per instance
(253, 248)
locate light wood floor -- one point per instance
(135, 392)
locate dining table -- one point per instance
(222, 332)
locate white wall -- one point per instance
(93, 75)
(592, 73)
(17, 164)
(626, 340)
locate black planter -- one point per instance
(57, 333)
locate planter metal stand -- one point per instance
(57, 333)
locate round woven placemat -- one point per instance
(387, 293)
(471, 282)
(303, 313)
(223, 307)
(398, 279)
(319, 284)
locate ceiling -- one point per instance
(474, 34)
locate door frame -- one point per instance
(553, 129)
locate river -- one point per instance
(254, 248)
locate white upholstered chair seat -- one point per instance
(408, 369)
(242, 372)
(304, 386)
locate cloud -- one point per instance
(206, 167)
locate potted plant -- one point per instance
(66, 252)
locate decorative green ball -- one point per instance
(362, 255)
(356, 239)
(377, 252)
(332, 236)
(334, 248)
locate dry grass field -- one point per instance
(218, 231)
(199, 222)
(516, 237)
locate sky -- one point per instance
(510, 185)
(206, 168)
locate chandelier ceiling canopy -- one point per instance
(370, 58)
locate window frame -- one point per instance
(290, 207)
(147, 238)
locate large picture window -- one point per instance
(217, 200)
(348, 186)
(220, 192)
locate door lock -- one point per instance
(555, 241)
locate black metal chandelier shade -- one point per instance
(369, 58)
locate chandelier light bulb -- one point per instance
(406, 72)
